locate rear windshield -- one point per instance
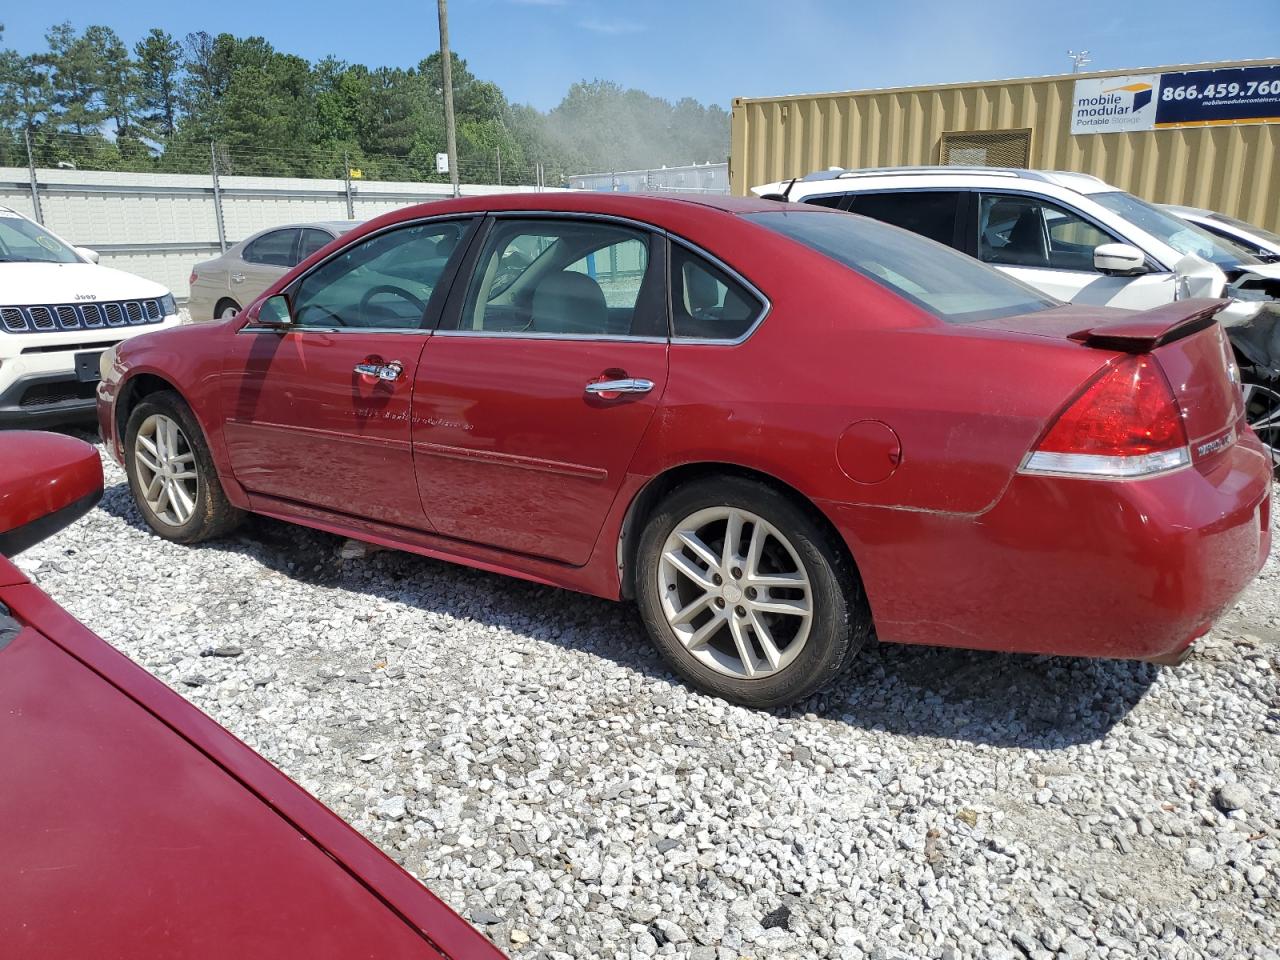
(951, 286)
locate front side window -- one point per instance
(1032, 232)
(707, 303)
(563, 278)
(953, 287)
(274, 249)
(22, 241)
(383, 281)
(929, 213)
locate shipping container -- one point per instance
(1211, 141)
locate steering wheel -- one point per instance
(395, 292)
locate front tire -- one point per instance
(746, 595)
(171, 473)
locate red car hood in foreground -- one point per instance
(135, 827)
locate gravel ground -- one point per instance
(525, 753)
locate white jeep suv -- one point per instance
(59, 311)
(1079, 239)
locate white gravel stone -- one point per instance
(526, 753)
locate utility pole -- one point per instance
(217, 197)
(1078, 60)
(35, 184)
(446, 65)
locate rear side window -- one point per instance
(929, 213)
(951, 286)
(836, 202)
(707, 303)
(566, 278)
(275, 249)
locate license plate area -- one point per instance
(87, 366)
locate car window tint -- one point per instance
(275, 249)
(382, 281)
(707, 303)
(929, 213)
(953, 287)
(1032, 232)
(564, 278)
(312, 240)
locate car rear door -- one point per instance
(319, 414)
(532, 397)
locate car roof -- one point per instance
(1193, 211)
(651, 208)
(1080, 182)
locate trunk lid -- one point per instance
(1185, 339)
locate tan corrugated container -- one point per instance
(1232, 168)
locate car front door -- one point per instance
(1050, 247)
(318, 414)
(531, 398)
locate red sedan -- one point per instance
(777, 429)
(135, 826)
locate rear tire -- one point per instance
(765, 622)
(171, 474)
(226, 309)
(1262, 410)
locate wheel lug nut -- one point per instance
(719, 601)
(751, 593)
(737, 573)
(717, 579)
(740, 611)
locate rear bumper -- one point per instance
(1129, 569)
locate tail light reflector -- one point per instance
(194, 277)
(1126, 423)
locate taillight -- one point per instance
(1126, 423)
(194, 277)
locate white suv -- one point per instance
(59, 311)
(1079, 239)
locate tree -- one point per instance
(159, 73)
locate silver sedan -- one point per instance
(221, 286)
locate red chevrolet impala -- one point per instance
(136, 827)
(777, 429)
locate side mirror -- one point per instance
(47, 481)
(91, 255)
(1119, 260)
(274, 314)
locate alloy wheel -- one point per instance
(166, 469)
(1262, 410)
(735, 593)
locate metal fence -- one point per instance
(690, 178)
(157, 225)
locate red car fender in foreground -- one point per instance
(136, 827)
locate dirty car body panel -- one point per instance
(906, 433)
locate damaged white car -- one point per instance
(1079, 239)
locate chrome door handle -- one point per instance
(630, 385)
(237, 278)
(382, 371)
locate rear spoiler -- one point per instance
(1144, 331)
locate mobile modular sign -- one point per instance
(1186, 98)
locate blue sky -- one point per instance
(712, 50)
